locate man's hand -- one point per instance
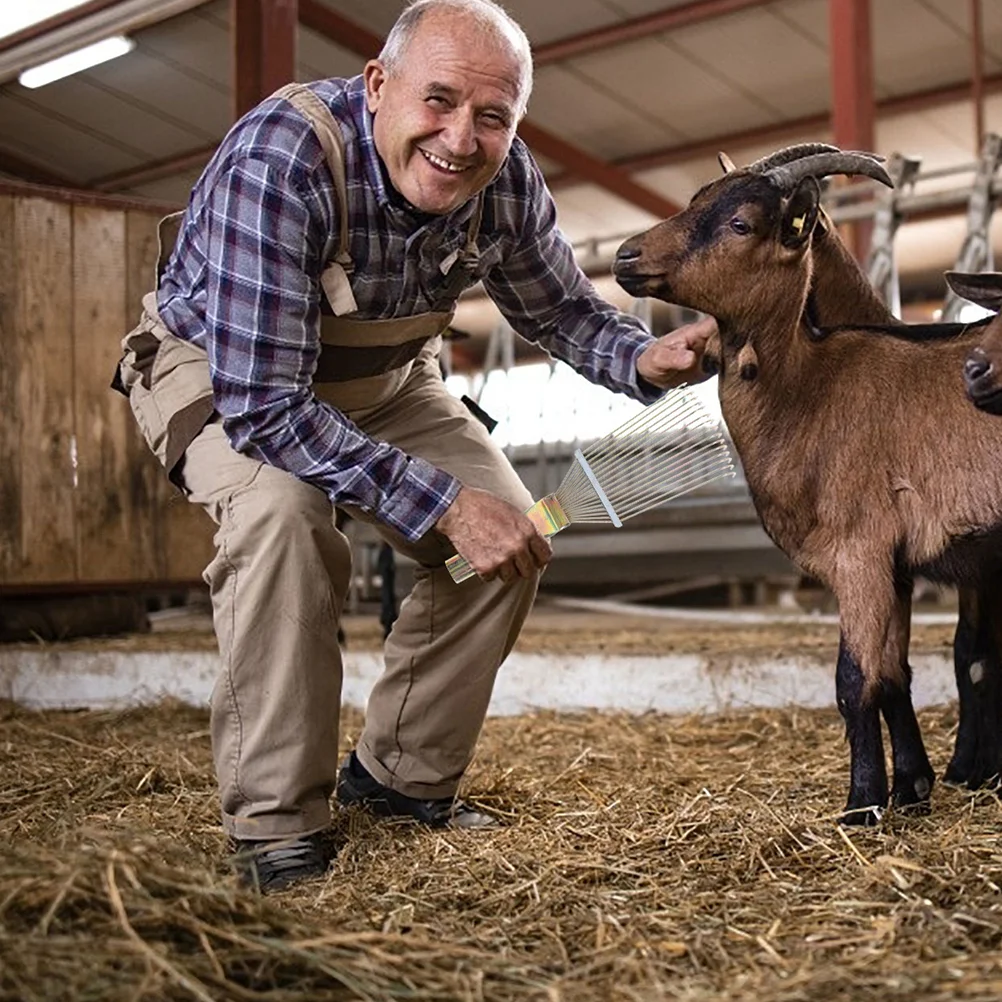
(494, 536)
(675, 357)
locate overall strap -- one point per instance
(323, 123)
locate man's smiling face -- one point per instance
(445, 116)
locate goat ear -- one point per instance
(726, 163)
(800, 214)
(984, 288)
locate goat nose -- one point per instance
(977, 365)
(626, 253)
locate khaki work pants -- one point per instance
(278, 584)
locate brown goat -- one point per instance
(841, 434)
(983, 368)
(840, 295)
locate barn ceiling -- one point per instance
(656, 105)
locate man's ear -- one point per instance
(800, 214)
(374, 76)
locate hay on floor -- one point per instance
(646, 858)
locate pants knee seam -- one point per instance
(228, 668)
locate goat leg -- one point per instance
(860, 710)
(977, 756)
(913, 775)
(971, 646)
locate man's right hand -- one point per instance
(494, 536)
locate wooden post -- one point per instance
(853, 112)
(264, 49)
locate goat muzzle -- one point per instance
(626, 269)
(981, 378)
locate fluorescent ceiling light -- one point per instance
(74, 62)
(18, 16)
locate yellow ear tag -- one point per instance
(798, 224)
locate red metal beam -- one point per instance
(338, 29)
(590, 168)
(694, 12)
(263, 33)
(25, 170)
(154, 171)
(853, 105)
(853, 108)
(362, 42)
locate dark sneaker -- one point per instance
(356, 785)
(272, 865)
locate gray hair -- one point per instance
(492, 19)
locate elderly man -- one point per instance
(287, 364)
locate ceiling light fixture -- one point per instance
(75, 62)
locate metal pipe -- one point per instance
(977, 76)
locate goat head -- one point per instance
(983, 366)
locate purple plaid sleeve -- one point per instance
(546, 297)
(263, 241)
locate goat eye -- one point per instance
(739, 226)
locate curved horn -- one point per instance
(726, 163)
(822, 164)
(790, 153)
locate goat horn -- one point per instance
(789, 154)
(726, 163)
(822, 164)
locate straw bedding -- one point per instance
(645, 858)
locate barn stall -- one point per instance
(671, 809)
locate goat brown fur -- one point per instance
(865, 460)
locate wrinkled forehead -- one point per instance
(453, 41)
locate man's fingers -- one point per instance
(541, 551)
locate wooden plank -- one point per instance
(10, 425)
(103, 511)
(43, 330)
(148, 484)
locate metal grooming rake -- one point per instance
(668, 449)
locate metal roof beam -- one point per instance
(25, 170)
(695, 12)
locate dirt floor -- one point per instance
(644, 858)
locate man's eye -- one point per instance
(739, 226)
(438, 100)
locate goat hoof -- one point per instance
(912, 794)
(862, 817)
(956, 775)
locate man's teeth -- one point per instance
(444, 164)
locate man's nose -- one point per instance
(460, 133)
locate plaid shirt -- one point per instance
(243, 283)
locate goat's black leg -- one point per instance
(913, 775)
(970, 647)
(868, 775)
(977, 757)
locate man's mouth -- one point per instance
(442, 164)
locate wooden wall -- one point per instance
(83, 503)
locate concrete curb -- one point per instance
(683, 683)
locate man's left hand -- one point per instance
(675, 357)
